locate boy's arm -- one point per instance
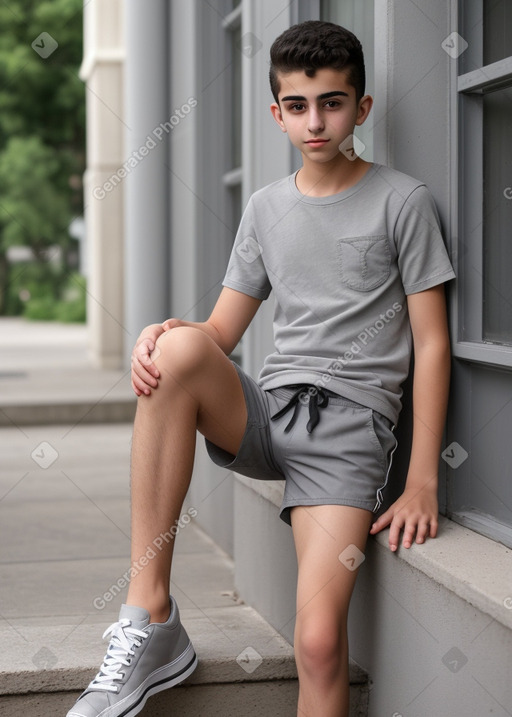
(229, 319)
(416, 511)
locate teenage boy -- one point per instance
(354, 255)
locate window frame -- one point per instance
(469, 77)
(467, 318)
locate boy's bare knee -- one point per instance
(319, 645)
(182, 350)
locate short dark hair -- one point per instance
(313, 45)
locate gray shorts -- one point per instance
(328, 449)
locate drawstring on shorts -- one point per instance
(317, 399)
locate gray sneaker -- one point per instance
(142, 658)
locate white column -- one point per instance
(102, 71)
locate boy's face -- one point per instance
(319, 112)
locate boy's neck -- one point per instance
(325, 179)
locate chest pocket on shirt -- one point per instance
(364, 261)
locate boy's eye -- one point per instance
(331, 104)
(297, 107)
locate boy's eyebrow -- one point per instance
(323, 96)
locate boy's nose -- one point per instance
(315, 121)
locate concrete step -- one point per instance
(245, 668)
(46, 377)
(65, 396)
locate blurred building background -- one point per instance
(179, 135)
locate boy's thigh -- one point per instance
(192, 360)
(222, 414)
(330, 541)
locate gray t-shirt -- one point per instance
(341, 267)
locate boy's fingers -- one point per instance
(142, 360)
(145, 354)
(140, 386)
(170, 324)
(394, 533)
(381, 522)
(409, 532)
(422, 532)
(142, 377)
(136, 389)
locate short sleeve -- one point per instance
(422, 257)
(246, 268)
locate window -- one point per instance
(479, 491)
(483, 319)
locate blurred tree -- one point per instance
(42, 126)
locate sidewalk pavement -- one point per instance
(46, 375)
(64, 536)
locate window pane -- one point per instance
(497, 217)
(497, 30)
(358, 17)
(236, 99)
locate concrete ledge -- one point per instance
(473, 567)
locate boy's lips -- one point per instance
(318, 141)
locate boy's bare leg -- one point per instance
(199, 388)
(324, 590)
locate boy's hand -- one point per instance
(416, 512)
(144, 373)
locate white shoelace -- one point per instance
(119, 653)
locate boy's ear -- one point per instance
(363, 109)
(276, 114)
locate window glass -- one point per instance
(497, 30)
(497, 211)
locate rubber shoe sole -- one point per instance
(159, 680)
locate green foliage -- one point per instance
(41, 96)
(72, 306)
(42, 132)
(32, 281)
(33, 211)
(43, 292)
(42, 309)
